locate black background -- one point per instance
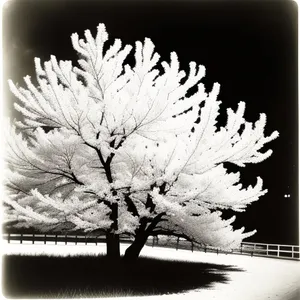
(249, 47)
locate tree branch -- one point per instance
(75, 179)
(176, 234)
(131, 206)
(154, 222)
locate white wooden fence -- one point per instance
(246, 248)
(19, 238)
(272, 250)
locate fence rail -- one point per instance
(272, 250)
(246, 248)
(55, 239)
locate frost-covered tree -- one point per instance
(128, 149)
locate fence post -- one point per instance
(56, 239)
(33, 238)
(45, 239)
(217, 251)
(278, 250)
(21, 241)
(8, 238)
(267, 249)
(205, 248)
(85, 239)
(177, 244)
(192, 244)
(65, 239)
(76, 239)
(293, 252)
(241, 250)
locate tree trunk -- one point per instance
(142, 234)
(112, 239)
(133, 251)
(113, 246)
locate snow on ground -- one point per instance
(263, 278)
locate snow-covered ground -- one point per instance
(263, 278)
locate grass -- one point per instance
(96, 276)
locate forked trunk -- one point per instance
(113, 246)
(133, 251)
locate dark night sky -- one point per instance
(249, 47)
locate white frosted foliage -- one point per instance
(113, 146)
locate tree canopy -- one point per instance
(128, 148)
